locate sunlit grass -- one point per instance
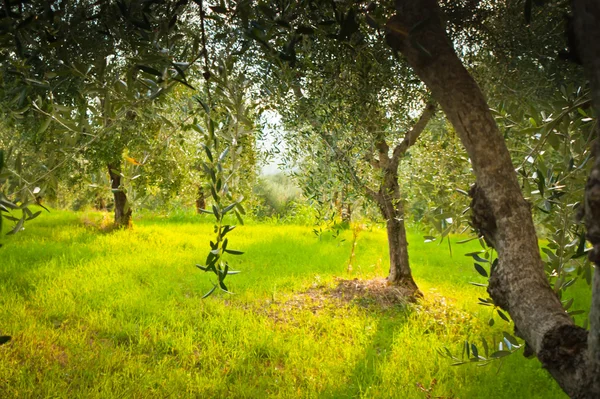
(120, 315)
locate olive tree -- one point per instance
(91, 70)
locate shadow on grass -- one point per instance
(366, 372)
(22, 275)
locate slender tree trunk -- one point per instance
(518, 283)
(390, 204)
(344, 208)
(100, 203)
(200, 200)
(346, 213)
(122, 209)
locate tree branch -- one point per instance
(341, 155)
(374, 162)
(411, 137)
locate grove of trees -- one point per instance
(168, 97)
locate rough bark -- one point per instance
(518, 283)
(390, 204)
(586, 25)
(122, 209)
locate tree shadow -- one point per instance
(366, 372)
(20, 270)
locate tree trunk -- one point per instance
(344, 208)
(586, 25)
(390, 204)
(518, 283)
(122, 209)
(100, 203)
(346, 213)
(390, 201)
(200, 200)
(400, 273)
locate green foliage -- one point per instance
(436, 174)
(485, 353)
(227, 129)
(15, 195)
(223, 204)
(220, 193)
(79, 104)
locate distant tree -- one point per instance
(346, 100)
(90, 70)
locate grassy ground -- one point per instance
(120, 315)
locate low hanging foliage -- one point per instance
(21, 202)
(223, 204)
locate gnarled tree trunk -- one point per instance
(389, 200)
(122, 209)
(518, 283)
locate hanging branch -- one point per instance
(219, 179)
(347, 164)
(206, 73)
(220, 193)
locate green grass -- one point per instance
(120, 315)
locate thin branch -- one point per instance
(341, 155)
(410, 138)
(550, 126)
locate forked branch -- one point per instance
(411, 137)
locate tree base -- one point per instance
(378, 291)
(407, 285)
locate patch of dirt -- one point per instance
(376, 293)
(102, 224)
